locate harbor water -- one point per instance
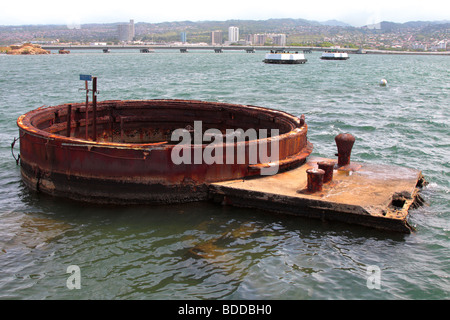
(209, 251)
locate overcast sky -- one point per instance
(354, 12)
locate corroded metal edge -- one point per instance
(306, 208)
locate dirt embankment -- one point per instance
(26, 48)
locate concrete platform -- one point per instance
(371, 195)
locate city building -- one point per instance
(183, 37)
(265, 38)
(256, 39)
(419, 46)
(441, 45)
(126, 31)
(279, 40)
(216, 37)
(233, 34)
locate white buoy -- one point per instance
(383, 82)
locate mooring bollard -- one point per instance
(327, 167)
(344, 143)
(315, 179)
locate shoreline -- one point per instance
(432, 53)
(238, 48)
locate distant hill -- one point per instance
(252, 26)
(297, 30)
(334, 23)
(388, 26)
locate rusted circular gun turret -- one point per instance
(344, 143)
(130, 151)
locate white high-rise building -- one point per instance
(233, 34)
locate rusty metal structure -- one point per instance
(173, 151)
(120, 151)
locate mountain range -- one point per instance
(291, 22)
(199, 31)
(392, 26)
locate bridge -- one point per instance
(217, 49)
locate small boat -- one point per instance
(334, 55)
(282, 57)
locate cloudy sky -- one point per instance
(354, 12)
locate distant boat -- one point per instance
(282, 57)
(146, 50)
(333, 55)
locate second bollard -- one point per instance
(328, 167)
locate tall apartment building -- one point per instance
(233, 34)
(132, 30)
(261, 39)
(183, 37)
(256, 39)
(279, 39)
(126, 31)
(216, 37)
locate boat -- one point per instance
(334, 55)
(283, 57)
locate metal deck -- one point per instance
(372, 195)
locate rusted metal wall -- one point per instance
(57, 158)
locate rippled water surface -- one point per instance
(206, 251)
